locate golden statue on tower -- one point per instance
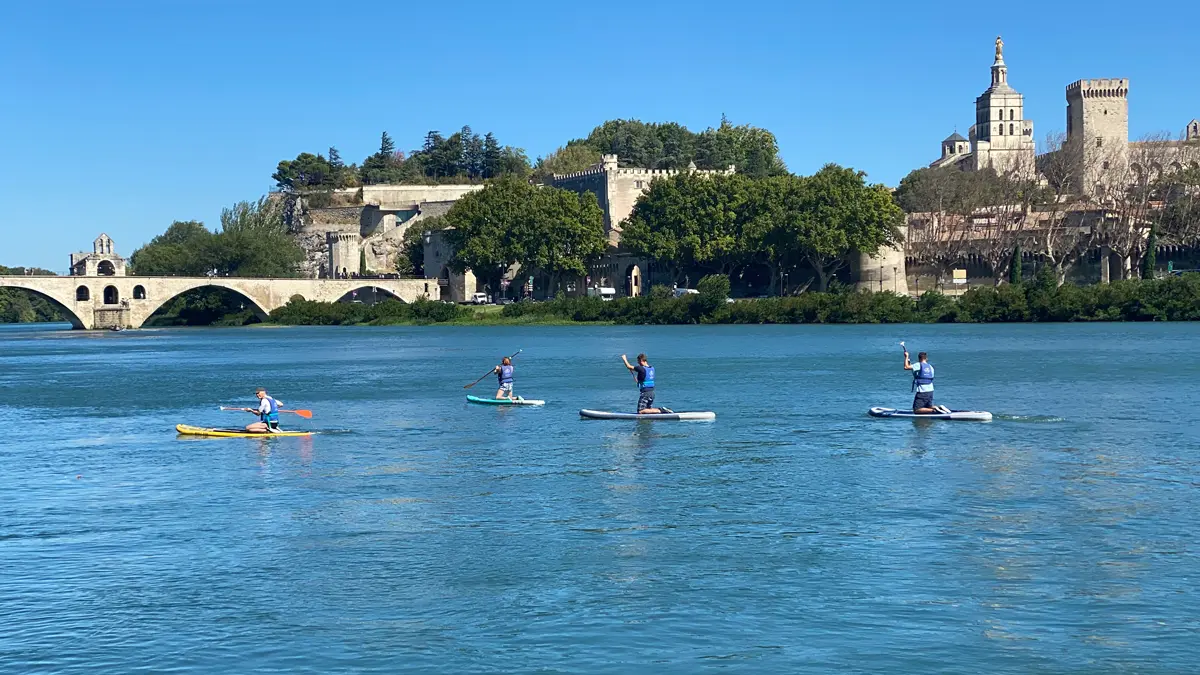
(999, 49)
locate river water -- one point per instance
(419, 534)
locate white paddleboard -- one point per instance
(958, 415)
(604, 415)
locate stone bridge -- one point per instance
(92, 302)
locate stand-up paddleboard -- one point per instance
(959, 415)
(187, 430)
(603, 415)
(504, 401)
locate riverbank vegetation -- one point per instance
(1174, 298)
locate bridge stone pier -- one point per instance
(95, 302)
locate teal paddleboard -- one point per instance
(504, 401)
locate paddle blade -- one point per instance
(306, 414)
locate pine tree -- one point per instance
(1014, 269)
(386, 146)
(492, 156)
(335, 159)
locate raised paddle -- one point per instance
(306, 414)
(493, 370)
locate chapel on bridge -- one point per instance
(101, 262)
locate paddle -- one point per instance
(306, 414)
(490, 372)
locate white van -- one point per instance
(680, 292)
(479, 299)
(603, 292)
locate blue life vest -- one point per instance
(922, 374)
(648, 380)
(273, 414)
(505, 374)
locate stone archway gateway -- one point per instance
(633, 281)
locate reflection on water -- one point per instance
(418, 533)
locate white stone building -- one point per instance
(1001, 138)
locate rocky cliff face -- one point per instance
(309, 227)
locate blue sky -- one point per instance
(124, 116)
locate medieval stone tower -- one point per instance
(1001, 138)
(1098, 128)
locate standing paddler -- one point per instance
(644, 373)
(922, 384)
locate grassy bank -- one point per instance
(1170, 299)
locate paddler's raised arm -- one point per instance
(627, 363)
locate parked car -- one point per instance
(680, 292)
(504, 301)
(479, 299)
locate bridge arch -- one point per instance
(64, 308)
(370, 291)
(150, 307)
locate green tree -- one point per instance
(179, 251)
(492, 155)
(566, 159)
(690, 220)
(772, 225)
(511, 222)
(254, 242)
(411, 261)
(714, 290)
(1014, 269)
(841, 213)
(385, 166)
(566, 232)
(306, 172)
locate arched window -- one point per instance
(1012, 114)
(105, 268)
(139, 292)
(1010, 129)
(1000, 130)
(111, 296)
(82, 294)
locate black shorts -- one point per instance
(645, 399)
(923, 399)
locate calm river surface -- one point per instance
(419, 534)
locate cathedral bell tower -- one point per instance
(1002, 139)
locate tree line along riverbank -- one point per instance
(1175, 298)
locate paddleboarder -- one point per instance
(644, 372)
(504, 373)
(267, 411)
(923, 385)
